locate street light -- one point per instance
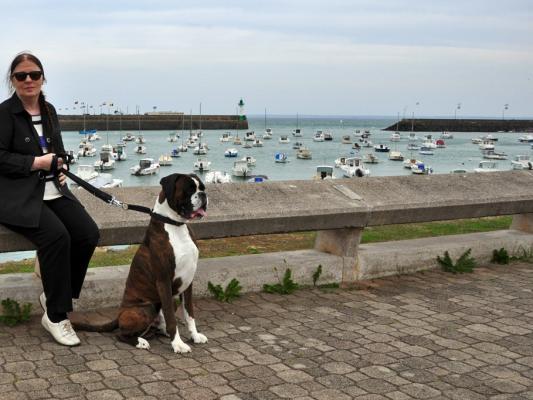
(457, 108)
(505, 107)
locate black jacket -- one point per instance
(22, 190)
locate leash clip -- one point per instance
(115, 202)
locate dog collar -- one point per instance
(164, 219)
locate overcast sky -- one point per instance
(335, 57)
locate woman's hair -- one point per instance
(20, 57)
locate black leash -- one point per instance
(108, 198)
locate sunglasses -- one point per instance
(21, 76)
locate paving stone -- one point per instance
(288, 391)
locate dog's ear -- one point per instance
(168, 183)
(202, 186)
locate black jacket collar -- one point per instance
(15, 105)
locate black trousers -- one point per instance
(65, 240)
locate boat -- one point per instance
(489, 137)
(231, 152)
(281, 157)
(91, 137)
(440, 144)
(173, 137)
(346, 139)
(217, 177)
(146, 166)
(140, 149)
(429, 143)
(257, 143)
(354, 168)
(357, 133)
(201, 149)
(319, 136)
(303, 153)
(183, 148)
(339, 162)
(257, 179)
(381, 148)
(395, 137)
(487, 166)
(226, 137)
(237, 140)
(121, 152)
(98, 180)
(328, 136)
(105, 162)
(412, 136)
(247, 145)
(366, 143)
(395, 156)
(192, 141)
(526, 138)
(408, 163)
(476, 140)
(268, 134)
(284, 139)
(73, 157)
(202, 165)
(175, 153)
(249, 136)
(140, 139)
(494, 155)
(370, 158)
(324, 172)
(86, 150)
(297, 145)
(240, 168)
(249, 160)
(421, 169)
(486, 145)
(446, 135)
(128, 137)
(297, 132)
(521, 161)
(459, 171)
(356, 146)
(428, 151)
(86, 131)
(412, 146)
(165, 160)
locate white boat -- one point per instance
(319, 136)
(526, 138)
(249, 136)
(140, 149)
(175, 153)
(173, 137)
(105, 162)
(103, 180)
(268, 134)
(192, 141)
(165, 160)
(409, 162)
(257, 143)
(494, 155)
(328, 136)
(281, 158)
(339, 162)
(489, 137)
(354, 168)
(226, 137)
(107, 148)
(121, 152)
(476, 140)
(324, 172)
(146, 166)
(430, 144)
(367, 143)
(284, 139)
(428, 151)
(201, 149)
(446, 135)
(202, 165)
(412, 137)
(231, 152)
(486, 145)
(421, 169)
(346, 139)
(395, 156)
(237, 140)
(356, 146)
(183, 148)
(487, 166)
(128, 137)
(370, 158)
(249, 160)
(521, 161)
(247, 145)
(381, 148)
(303, 153)
(395, 137)
(297, 145)
(297, 132)
(140, 139)
(93, 136)
(87, 150)
(217, 177)
(412, 146)
(240, 168)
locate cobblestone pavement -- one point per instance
(429, 335)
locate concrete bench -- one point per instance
(338, 209)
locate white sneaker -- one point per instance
(42, 301)
(62, 331)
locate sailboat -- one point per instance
(268, 131)
(297, 132)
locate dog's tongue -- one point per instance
(199, 213)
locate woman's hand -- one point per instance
(62, 179)
(42, 162)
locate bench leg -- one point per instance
(343, 243)
(523, 222)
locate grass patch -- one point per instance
(257, 244)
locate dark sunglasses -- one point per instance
(21, 76)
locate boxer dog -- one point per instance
(164, 266)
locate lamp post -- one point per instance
(457, 108)
(505, 107)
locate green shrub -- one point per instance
(285, 286)
(500, 256)
(232, 291)
(316, 274)
(465, 263)
(12, 314)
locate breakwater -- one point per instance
(462, 125)
(151, 122)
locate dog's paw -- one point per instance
(179, 347)
(142, 343)
(199, 338)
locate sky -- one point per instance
(336, 57)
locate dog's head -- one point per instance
(185, 194)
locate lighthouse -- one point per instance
(242, 117)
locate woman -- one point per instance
(36, 201)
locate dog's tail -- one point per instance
(94, 323)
